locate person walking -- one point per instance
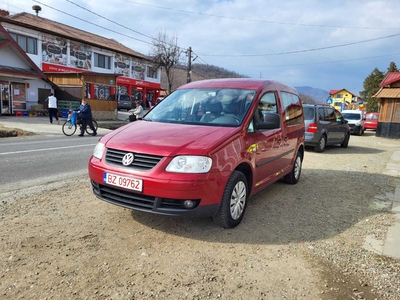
(85, 112)
(53, 110)
(138, 112)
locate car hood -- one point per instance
(167, 139)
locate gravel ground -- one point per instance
(304, 241)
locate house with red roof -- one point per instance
(389, 109)
(344, 99)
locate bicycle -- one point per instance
(69, 127)
(131, 118)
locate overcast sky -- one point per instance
(322, 44)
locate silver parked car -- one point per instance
(325, 126)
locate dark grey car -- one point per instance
(325, 126)
(124, 101)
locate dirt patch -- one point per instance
(6, 132)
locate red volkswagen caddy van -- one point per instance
(204, 150)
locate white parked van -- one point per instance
(355, 120)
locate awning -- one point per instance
(388, 93)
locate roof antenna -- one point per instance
(36, 8)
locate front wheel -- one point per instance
(294, 175)
(234, 201)
(68, 128)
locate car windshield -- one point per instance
(350, 116)
(205, 106)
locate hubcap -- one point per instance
(297, 167)
(238, 200)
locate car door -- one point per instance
(341, 125)
(268, 143)
(332, 127)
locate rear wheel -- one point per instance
(345, 141)
(89, 130)
(321, 144)
(294, 175)
(68, 128)
(234, 201)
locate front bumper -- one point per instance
(163, 193)
(156, 205)
(355, 129)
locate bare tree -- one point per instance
(307, 99)
(166, 54)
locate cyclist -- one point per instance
(85, 113)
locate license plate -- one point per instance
(123, 181)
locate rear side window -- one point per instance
(330, 115)
(293, 109)
(309, 113)
(321, 113)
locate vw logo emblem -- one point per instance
(128, 159)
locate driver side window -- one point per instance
(268, 103)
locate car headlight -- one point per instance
(190, 164)
(98, 150)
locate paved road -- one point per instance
(36, 160)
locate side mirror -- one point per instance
(269, 121)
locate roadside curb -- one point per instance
(392, 244)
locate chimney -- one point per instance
(36, 8)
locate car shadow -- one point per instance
(323, 204)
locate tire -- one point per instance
(321, 144)
(68, 129)
(95, 125)
(234, 201)
(294, 175)
(360, 131)
(345, 141)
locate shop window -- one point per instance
(101, 92)
(102, 61)
(27, 43)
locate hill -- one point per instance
(318, 95)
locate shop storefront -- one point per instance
(142, 90)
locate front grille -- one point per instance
(141, 161)
(134, 200)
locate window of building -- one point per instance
(338, 96)
(27, 43)
(151, 72)
(102, 61)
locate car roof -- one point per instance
(352, 111)
(240, 83)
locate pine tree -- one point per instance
(371, 86)
(393, 67)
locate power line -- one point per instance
(325, 62)
(92, 12)
(305, 50)
(257, 20)
(94, 23)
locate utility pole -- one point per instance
(189, 70)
